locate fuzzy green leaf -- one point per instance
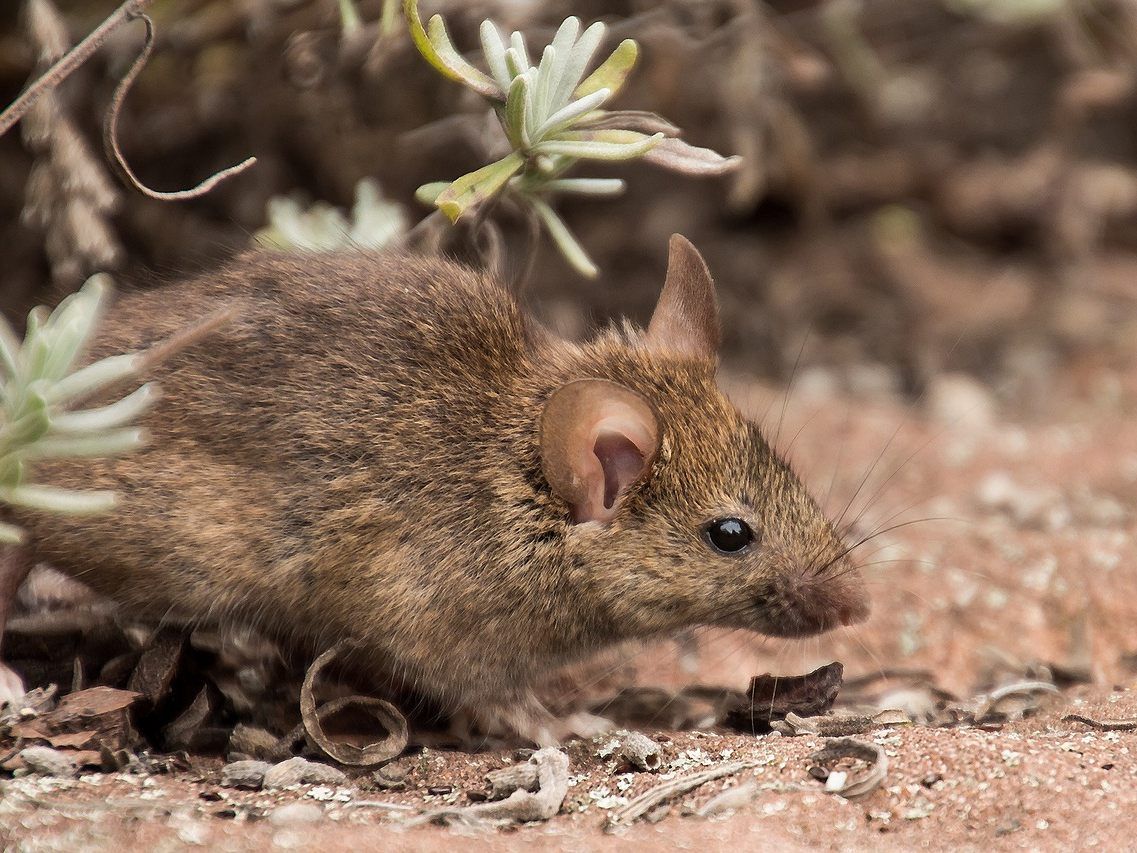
(568, 114)
(517, 112)
(109, 443)
(577, 63)
(493, 48)
(93, 377)
(429, 193)
(613, 72)
(63, 501)
(107, 417)
(586, 186)
(572, 250)
(433, 42)
(9, 348)
(10, 534)
(600, 144)
(471, 190)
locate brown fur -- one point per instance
(356, 455)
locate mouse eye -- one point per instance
(729, 535)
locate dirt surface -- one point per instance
(1016, 551)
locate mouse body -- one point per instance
(388, 449)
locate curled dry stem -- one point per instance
(110, 132)
(79, 54)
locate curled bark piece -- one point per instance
(640, 751)
(110, 130)
(517, 777)
(1102, 725)
(861, 784)
(648, 800)
(994, 708)
(388, 716)
(521, 806)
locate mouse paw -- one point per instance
(532, 721)
(11, 685)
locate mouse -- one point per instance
(389, 450)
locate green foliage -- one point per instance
(39, 381)
(551, 114)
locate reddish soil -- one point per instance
(1029, 559)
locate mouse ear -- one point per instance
(686, 318)
(597, 439)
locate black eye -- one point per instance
(729, 535)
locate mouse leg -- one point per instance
(15, 563)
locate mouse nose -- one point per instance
(854, 612)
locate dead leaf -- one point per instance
(771, 697)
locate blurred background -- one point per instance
(929, 185)
(926, 262)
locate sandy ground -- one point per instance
(1008, 544)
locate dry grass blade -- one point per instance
(388, 716)
(861, 784)
(1102, 725)
(648, 800)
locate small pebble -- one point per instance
(293, 813)
(957, 400)
(244, 774)
(301, 771)
(48, 762)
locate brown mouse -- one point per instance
(388, 449)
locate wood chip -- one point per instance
(771, 697)
(516, 777)
(839, 725)
(158, 664)
(101, 710)
(182, 733)
(639, 752)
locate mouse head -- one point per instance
(680, 511)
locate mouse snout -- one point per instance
(846, 592)
(805, 603)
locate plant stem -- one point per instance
(66, 64)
